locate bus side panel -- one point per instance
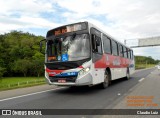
(114, 63)
(124, 65)
(99, 69)
(117, 65)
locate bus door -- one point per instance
(97, 56)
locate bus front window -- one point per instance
(71, 48)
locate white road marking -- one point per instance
(30, 94)
(141, 79)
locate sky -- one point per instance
(122, 19)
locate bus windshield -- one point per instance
(70, 48)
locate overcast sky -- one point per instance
(123, 19)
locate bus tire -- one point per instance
(127, 74)
(106, 82)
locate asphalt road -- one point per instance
(90, 97)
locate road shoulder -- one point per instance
(24, 91)
(147, 87)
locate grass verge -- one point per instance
(143, 66)
(20, 82)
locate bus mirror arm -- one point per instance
(41, 45)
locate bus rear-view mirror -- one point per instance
(97, 41)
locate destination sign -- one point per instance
(68, 28)
(60, 31)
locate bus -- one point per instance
(82, 54)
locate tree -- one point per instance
(38, 63)
(22, 65)
(2, 71)
(15, 47)
(38, 67)
(144, 59)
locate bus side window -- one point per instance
(125, 52)
(132, 54)
(121, 51)
(114, 48)
(106, 44)
(129, 53)
(96, 44)
(118, 49)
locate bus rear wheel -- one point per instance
(106, 82)
(127, 74)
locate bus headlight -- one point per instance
(83, 71)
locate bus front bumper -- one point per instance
(80, 81)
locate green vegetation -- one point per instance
(20, 56)
(142, 62)
(18, 82)
(143, 66)
(13, 80)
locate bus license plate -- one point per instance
(62, 81)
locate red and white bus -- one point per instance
(82, 54)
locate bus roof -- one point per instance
(90, 25)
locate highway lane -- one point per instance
(78, 98)
(149, 86)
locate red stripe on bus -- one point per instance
(112, 61)
(53, 72)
